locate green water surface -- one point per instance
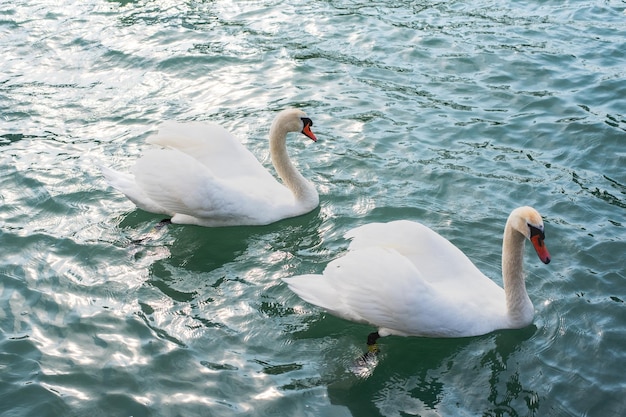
(447, 113)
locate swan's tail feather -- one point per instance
(116, 179)
(312, 289)
(125, 183)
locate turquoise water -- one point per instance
(446, 113)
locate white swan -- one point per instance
(205, 176)
(407, 280)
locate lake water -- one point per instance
(447, 113)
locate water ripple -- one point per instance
(446, 113)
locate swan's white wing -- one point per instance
(380, 287)
(126, 184)
(211, 145)
(181, 184)
(434, 256)
(458, 282)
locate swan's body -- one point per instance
(203, 175)
(407, 280)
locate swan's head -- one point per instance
(294, 120)
(528, 222)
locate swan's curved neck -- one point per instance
(303, 190)
(520, 308)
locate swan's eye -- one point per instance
(307, 121)
(535, 231)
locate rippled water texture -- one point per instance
(447, 113)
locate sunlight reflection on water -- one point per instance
(445, 113)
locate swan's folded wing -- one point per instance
(181, 184)
(374, 285)
(126, 184)
(211, 145)
(382, 287)
(435, 257)
(174, 180)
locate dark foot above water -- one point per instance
(163, 223)
(160, 225)
(372, 350)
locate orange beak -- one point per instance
(540, 248)
(307, 132)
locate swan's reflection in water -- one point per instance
(203, 249)
(442, 377)
(213, 278)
